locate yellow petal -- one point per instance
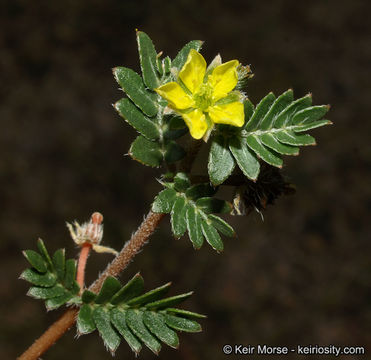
(193, 71)
(196, 122)
(175, 95)
(230, 114)
(224, 79)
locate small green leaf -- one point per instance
(70, 274)
(48, 279)
(290, 138)
(133, 86)
(258, 115)
(245, 158)
(150, 296)
(269, 156)
(173, 152)
(109, 335)
(44, 253)
(109, 288)
(46, 293)
(310, 114)
(182, 324)
(312, 125)
(156, 324)
(167, 302)
(185, 313)
(164, 201)
(146, 152)
(36, 260)
(178, 217)
(167, 64)
(58, 301)
(137, 119)
(118, 319)
(134, 319)
(221, 162)
(194, 227)
(286, 116)
(59, 263)
(200, 190)
(88, 297)
(181, 58)
(132, 289)
(221, 225)
(279, 105)
(181, 182)
(248, 109)
(270, 141)
(212, 236)
(147, 56)
(85, 322)
(212, 205)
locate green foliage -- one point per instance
(274, 128)
(145, 111)
(53, 279)
(191, 208)
(139, 318)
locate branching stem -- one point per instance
(122, 260)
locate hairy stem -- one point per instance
(50, 336)
(122, 260)
(84, 254)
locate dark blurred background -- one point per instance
(303, 276)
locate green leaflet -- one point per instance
(134, 88)
(118, 319)
(85, 321)
(164, 201)
(134, 319)
(150, 296)
(190, 206)
(194, 220)
(221, 162)
(124, 311)
(212, 236)
(168, 302)
(53, 279)
(146, 152)
(36, 260)
(156, 324)
(109, 335)
(181, 58)
(109, 288)
(182, 324)
(178, 217)
(274, 128)
(148, 63)
(137, 119)
(245, 158)
(131, 290)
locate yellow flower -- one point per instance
(204, 97)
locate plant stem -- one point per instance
(84, 254)
(122, 260)
(50, 336)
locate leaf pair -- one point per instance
(191, 208)
(53, 278)
(143, 109)
(125, 312)
(274, 128)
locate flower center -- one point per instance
(203, 97)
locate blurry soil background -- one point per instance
(303, 276)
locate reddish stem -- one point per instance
(84, 254)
